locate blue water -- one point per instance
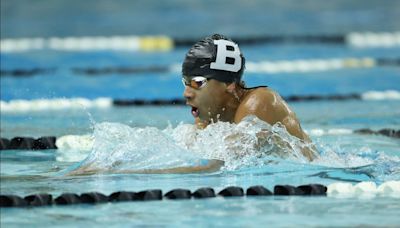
(350, 158)
(167, 85)
(345, 158)
(181, 18)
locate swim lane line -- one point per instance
(38, 105)
(299, 66)
(85, 142)
(340, 189)
(165, 43)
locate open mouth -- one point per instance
(195, 112)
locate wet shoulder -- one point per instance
(259, 102)
(262, 95)
(264, 103)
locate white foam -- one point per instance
(75, 142)
(381, 95)
(118, 146)
(72, 148)
(53, 104)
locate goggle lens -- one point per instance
(196, 82)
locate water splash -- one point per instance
(118, 146)
(250, 144)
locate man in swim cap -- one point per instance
(212, 75)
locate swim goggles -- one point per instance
(197, 82)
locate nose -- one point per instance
(188, 93)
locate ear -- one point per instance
(231, 87)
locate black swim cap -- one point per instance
(215, 57)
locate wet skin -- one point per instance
(218, 101)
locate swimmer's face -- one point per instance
(208, 101)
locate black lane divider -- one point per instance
(231, 191)
(49, 142)
(204, 193)
(28, 143)
(258, 190)
(388, 62)
(141, 102)
(67, 198)
(44, 199)
(39, 199)
(121, 70)
(293, 98)
(27, 72)
(386, 132)
(275, 39)
(132, 70)
(335, 97)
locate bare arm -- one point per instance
(212, 166)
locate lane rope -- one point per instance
(20, 105)
(164, 43)
(270, 67)
(56, 104)
(114, 43)
(362, 189)
(85, 142)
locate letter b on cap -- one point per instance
(226, 52)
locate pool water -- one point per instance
(344, 157)
(139, 137)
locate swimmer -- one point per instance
(212, 75)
